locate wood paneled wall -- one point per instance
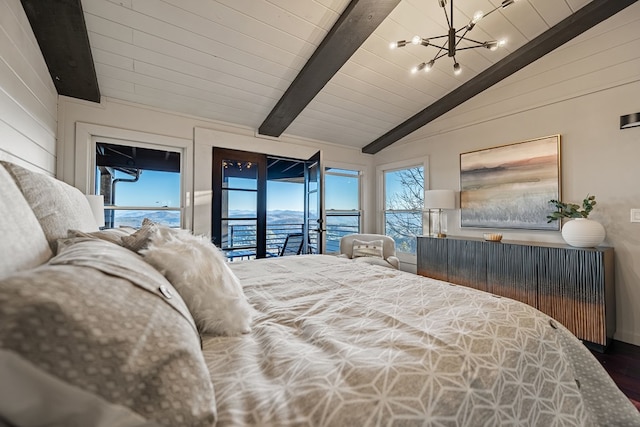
(28, 98)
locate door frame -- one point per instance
(320, 226)
(220, 154)
(261, 159)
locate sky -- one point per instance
(152, 189)
(393, 184)
(163, 189)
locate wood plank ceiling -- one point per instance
(233, 60)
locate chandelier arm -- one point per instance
(439, 37)
(459, 38)
(476, 41)
(443, 48)
(462, 37)
(439, 56)
(470, 47)
(493, 10)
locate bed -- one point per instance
(341, 343)
(108, 328)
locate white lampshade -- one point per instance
(96, 201)
(439, 199)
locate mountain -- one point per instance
(134, 218)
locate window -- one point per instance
(138, 182)
(403, 204)
(342, 205)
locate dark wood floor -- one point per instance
(622, 362)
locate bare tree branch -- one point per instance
(405, 224)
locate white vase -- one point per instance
(583, 233)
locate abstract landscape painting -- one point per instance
(510, 186)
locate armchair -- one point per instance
(385, 256)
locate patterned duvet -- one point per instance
(338, 343)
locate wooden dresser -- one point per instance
(573, 285)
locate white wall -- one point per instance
(597, 157)
(578, 91)
(28, 98)
(203, 134)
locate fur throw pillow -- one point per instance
(199, 272)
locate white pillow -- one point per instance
(367, 249)
(199, 272)
(113, 235)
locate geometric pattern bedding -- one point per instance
(93, 325)
(335, 342)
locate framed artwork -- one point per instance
(510, 186)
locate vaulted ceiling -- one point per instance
(318, 69)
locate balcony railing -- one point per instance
(241, 241)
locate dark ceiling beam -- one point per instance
(62, 36)
(355, 25)
(585, 18)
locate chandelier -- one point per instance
(453, 38)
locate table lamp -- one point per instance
(439, 200)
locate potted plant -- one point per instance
(581, 231)
(571, 210)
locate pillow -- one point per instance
(94, 322)
(40, 397)
(141, 238)
(116, 261)
(113, 235)
(21, 234)
(58, 206)
(199, 271)
(367, 249)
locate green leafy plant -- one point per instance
(571, 210)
